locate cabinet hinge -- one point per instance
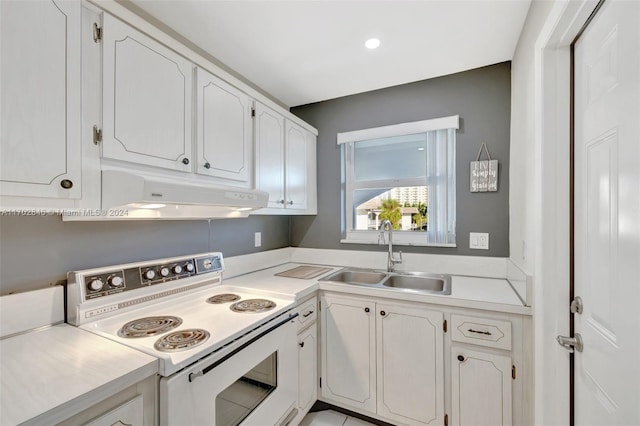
(253, 112)
(513, 372)
(97, 32)
(97, 135)
(444, 326)
(446, 420)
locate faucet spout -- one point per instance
(391, 259)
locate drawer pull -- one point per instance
(307, 314)
(487, 333)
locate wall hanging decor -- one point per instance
(483, 174)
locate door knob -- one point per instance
(571, 344)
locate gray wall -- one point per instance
(482, 98)
(36, 252)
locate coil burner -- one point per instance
(252, 306)
(149, 326)
(181, 340)
(223, 298)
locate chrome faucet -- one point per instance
(391, 259)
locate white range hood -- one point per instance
(136, 196)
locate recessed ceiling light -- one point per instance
(372, 43)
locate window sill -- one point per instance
(365, 237)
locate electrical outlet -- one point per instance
(258, 239)
(479, 240)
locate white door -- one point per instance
(410, 364)
(607, 216)
(225, 130)
(147, 95)
(40, 99)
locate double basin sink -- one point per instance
(409, 281)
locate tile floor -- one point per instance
(331, 418)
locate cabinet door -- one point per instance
(410, 365)
(147, 97)
(224, 135)
(40, 99)
(348, 351)
(480, 387)
(308, 369)
(298, 159)
(270, 154)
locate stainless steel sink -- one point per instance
(440, 284)
(410, 282)
(357, 277)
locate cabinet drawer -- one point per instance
(308, 313)
(481, 331)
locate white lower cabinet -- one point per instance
(348, 351)
(480, 388)
(409, 348)
(384, 359)
(307, 368)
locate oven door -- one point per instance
(255, 383)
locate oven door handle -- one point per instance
(195, 375)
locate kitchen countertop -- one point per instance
(468, 292)
(49, 374)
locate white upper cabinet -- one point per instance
(300, 168)
(40, 151)
(147, 100)
(270, 154)
(285, 163)
(224, 130)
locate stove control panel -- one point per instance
(135, 277)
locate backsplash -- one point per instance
(36, 252)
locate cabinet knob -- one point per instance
(460, 358)
(383, 313)
(290, 203)
(207, 165)
(185, 161)
(366, 309)
(301, 344)
(280, 201)
(66, 184)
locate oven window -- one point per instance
(237, 401)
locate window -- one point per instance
(404, 173)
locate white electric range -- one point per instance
(225, 353)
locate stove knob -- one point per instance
(150, 274)
(177, 269)
(95, 285)
(164, 271)
(116, 281)
(189, 267)
(207, 264)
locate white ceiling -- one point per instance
(306, 51)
